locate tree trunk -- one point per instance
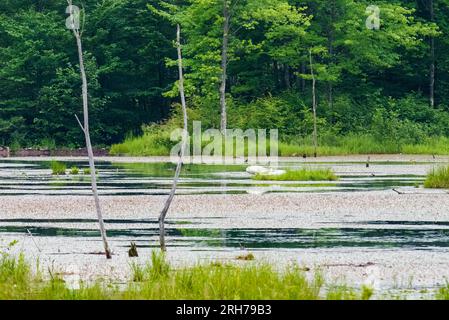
(315, 134)
(183, 147)
(224, 66)
(330, 40)
(432, 59)
(85, 128)
(303, 81)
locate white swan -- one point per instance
(264, 171)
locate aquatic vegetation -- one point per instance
(14, 275)
(159, 280)
(154, 143)
(74, 170)
(304, 174)
(438, 178)
(367, 292)
(443, 293)
(86, 171)
(58, 168)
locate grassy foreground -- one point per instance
(158, 280)
(438, 178)
(304, 174)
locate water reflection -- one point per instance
(25, 178)
(145, 233)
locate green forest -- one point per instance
(378, 90)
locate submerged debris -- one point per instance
(132, 253)
(247, 257)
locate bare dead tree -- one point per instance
(315, 134)
(224, 65)
(330, 45)
(184, 143)
(432, 59)
(74, 15)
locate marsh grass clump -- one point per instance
(155, 141)
(443, 293)
(13, 271)
(438, 178)
(74, 170)
(157, 268)
(224, 281)
(304, 174)
(86, 171)
(159, 280)
(58, 168)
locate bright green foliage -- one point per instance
(74, 170)
(155, 141)
(373, 83)
(443, 293)
(86, 171)
(304, 174)
(438, 178)
(40, 90)
(58, 168)
(158, 280)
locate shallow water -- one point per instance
(435, 236)
(35, 178)
(72, 238)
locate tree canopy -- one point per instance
(367, 79)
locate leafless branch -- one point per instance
(79, 122)
(32, 238)
(85, 129)
(183, 147)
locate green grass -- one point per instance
(157, 143)
(159, 280)
(58, 168)
(304, 174)
(86, 171)
(246, 257)
(443, 293)
(146, 145)
(74, 170)
(438, 178)
(362, 144)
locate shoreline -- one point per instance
(346, 158)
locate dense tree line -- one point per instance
(392, 82)
(126, 47)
